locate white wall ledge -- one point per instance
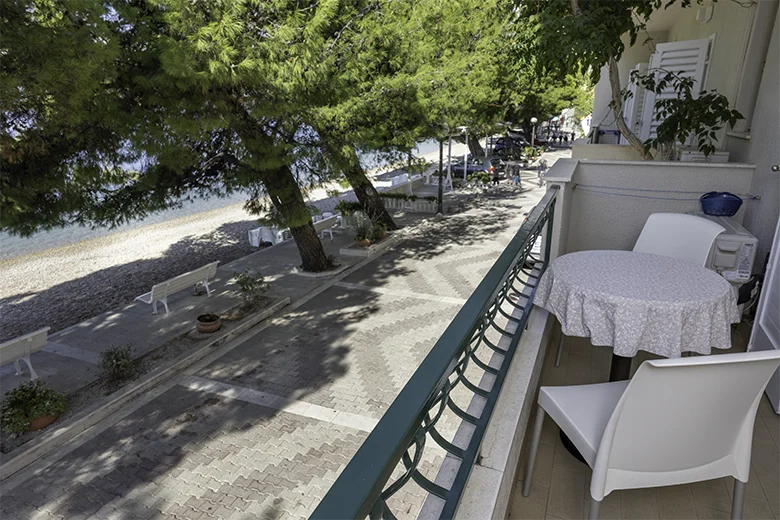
(562, 171)
(489, 487)
(674, 164)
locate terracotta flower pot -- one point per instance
(41, 422)
(363, 243)
(208, 323)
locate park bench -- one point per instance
(21, 348)
(162, 290)
(326, 225)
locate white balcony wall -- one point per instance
(586, 220)
(609, 152)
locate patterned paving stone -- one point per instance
(189, 454)
(197, 454)
(351, 350)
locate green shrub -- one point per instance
(347, 208)
(364, 230)
(400, 196)
(378, 232)
(431, 198)
(480, 177)
(252, 285)
(27, 402)
(117, 363)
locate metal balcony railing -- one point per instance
(498, 307)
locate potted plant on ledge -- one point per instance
(31, 406)
(363, 234)
(685, 115)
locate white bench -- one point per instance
(161, 291)
(326, 225)
(21, 348)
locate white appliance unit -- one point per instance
(733, 252)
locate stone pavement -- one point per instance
(264, 427)
(72, 356)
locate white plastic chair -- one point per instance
(676, 235)
(677, 421)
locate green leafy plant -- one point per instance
(252, 285)
(346, 207)
(378, 232)
(117, 363)
(685, 114)
(404, 196)
(480, 177)
(364, 230)
(27, 402)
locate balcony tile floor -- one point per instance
(560, 488)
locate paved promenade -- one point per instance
(262, 427)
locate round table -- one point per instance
(639, 301)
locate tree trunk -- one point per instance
(288, 201)
(617, 97)
(364, 189)
(617, 108)
(474, 147)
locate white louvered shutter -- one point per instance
(632, 111)
(689, 58)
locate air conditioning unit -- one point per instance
(733, 252)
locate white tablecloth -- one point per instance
(638, 301)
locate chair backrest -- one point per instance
(184, 280)
(678, 235)
(16, 348)
(683, 420)
(325, 223)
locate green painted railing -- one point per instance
(502, 301)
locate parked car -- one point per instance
(514, 143)
(478, 164)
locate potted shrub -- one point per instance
(687, 114)
(363, 234)
(31, 406)
(209, 322)
(378, 232)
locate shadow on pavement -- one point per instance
(189, 453)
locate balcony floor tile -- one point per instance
(559, 479)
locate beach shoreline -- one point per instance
(63, 285)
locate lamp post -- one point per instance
(533, 131)
(449, 159)
(465, 152)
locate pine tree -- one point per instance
(199, 98)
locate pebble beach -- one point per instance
(97, 271)
(61, 286)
